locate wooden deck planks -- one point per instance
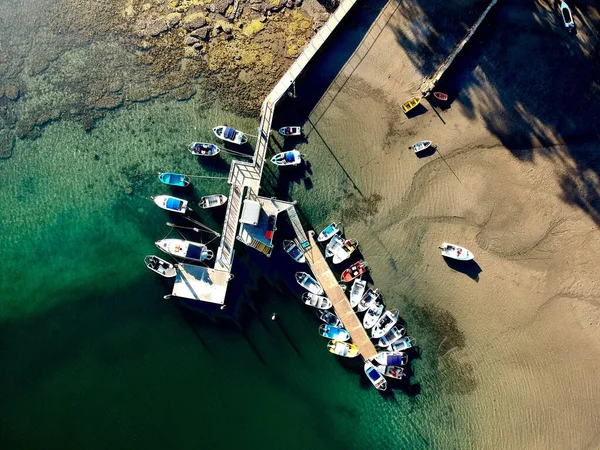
(341, 303)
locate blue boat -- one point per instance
(173, 179)
(339, 334)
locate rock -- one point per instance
(263, 19)
(298, 2)
(157, 27)
(289, 4)
(194, 21)
(173, 19)
(12, 92)
(229, 37)
(227, 28)
(200, 33)
(184, 92)
(1, 91)
(212, 8)
(191, 40)
(198, 46)
(106, 101)
(237, 57)
(129, 190)
(222, 5)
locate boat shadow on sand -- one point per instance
(469, 268)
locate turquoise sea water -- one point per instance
(94, 357)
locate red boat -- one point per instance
(355, 270)
(440, 96)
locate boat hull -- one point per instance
(372, 315)
(290, 131)
(391, 358)
(229, 134)
(328, 232)
(403, 344)
(344, 349)
(365, 303)
(391, 371)
(316, 301)
(440, 96)
(212, 201)
(357, 292)
(420, 146)
(567, 16)
(374, 376)
(308, 283)
(193, 251)
(292, 249)
(173, 179)
(354, 271)
(329, 318)
(204, 149)
(456, 252)
(289, 158)
(385, 324)
(160, 266)
(411, 104)
(171, 204)
(335, 333)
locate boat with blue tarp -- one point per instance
(174, 179)
(392, 358)
(172, 204)
(229, 134)
(374, 376)
(289, 158)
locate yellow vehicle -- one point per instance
(409, 105)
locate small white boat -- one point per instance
(289, 158)
(420, 146)
(160, 266)
(372, 315)
(343, 349)
(334, 246)
(172, 204)
(391, 371)
(229, 134)
(328, 232)
(357, 291)
(338, 334)
(385, 323)
(290, 131)
(403, 344)
(368, 299)
(329, 318)
(391, 358)
(308, 283)
(211, 201)
(391, 336)
(292, 249)
(345, 252)
(204, 149)
(374, 376)
(185, 249)
(567, 16)
(457, 252)
(316, 301)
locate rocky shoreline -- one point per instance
(86, 58)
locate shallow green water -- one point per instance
(94, 357)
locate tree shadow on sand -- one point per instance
(532, 82)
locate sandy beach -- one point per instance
(515, 180)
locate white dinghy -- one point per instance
(457, 252)
(172, 204)
(185, 249)
(289, 158)
(229, 134)
(309, 283)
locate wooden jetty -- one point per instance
(341, 304)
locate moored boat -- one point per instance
(403, 344)
(385, 323)
(357, 291)
(411, 104)
(212, 201)
(173, 179)
(316, 301)
(334, 246)
(292, 249)
(172, 204)
(420, 146)
(338, 334)
(308, 283)
(391, 336)
(391, 371)
(328, 232)
(290, 131)
(567, 16)
(372, 315)
(354, 271)
(368, 299)
(185, 249)
(289, 158)
(204, 149)
(343, 349)
(229, 134)
(345, 251)
(374, 376)
(457, 252)
(391, 358)
(160, 266)
(440, 96)
(329, 318)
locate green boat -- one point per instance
(173, 179)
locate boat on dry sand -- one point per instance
(420, 146)
(457, 252)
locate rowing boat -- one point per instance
(173, 179)
(172, 204)
(204, 149)
(211, 201)
(420, 146)
(440, 96)
(160, 266)
(290, 131)
(411, 104)
(229, 134)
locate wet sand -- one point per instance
(514, 179)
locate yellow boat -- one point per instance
(411, 104)
(343, 349)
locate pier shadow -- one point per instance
(469, 268)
